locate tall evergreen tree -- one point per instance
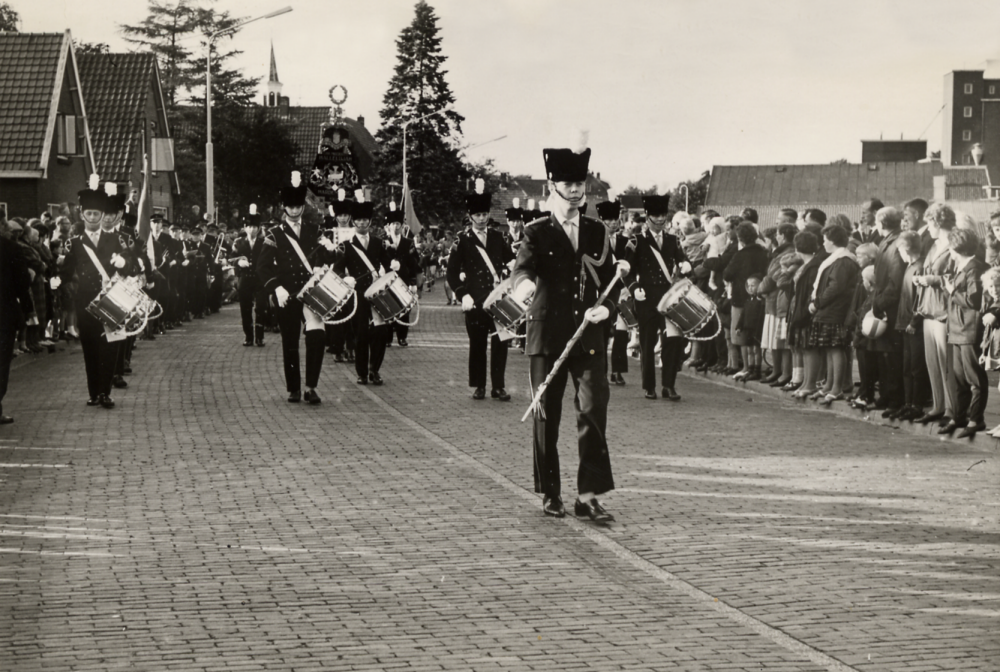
(9, 18)
(419, 88)
(166, 31)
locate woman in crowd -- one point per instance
(832, 291)
(915, 379)
(932, 306)
(776, 315)
(749, 259)
(800, 319)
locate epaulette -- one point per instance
(630, 245)
(537, 221)
(269, 239)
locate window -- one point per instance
(966, 135)
(3, 211)
(993, 90)
(967, 111)
(968, 88)
(69, 135)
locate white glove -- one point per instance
(510, 264)
(467, 303)
(151, 285)
(413, 289)
(185, 262)
(244, 263)
(142, 264)
(461, 276)
(350, 282)
(595, 315)
(282, 295)
(640, 294)
(684, 267)
(394, 265)
(117, 261)
(173, 262)
(328, 244)
(55, 282)
(624, 268)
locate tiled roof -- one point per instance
(29, 64)
(803, 185)
(965, 183)
(115, 88)
(304, 124)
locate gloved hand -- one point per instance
(461, 276)
(413, 289)
(282, 295)
(243, 263)
(989, 319)
(640, 294)
(173, 262)
(350, 282)
(327, 243)
(684, 267)
(595, 315)
(151, 285)
(623, 295)
(467, 303)
(56, 281)
(31, 275)
(185, 262)
(117, 261)
(394, 265)
(142, 264)
(624, 268)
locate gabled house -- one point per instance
(46, 154)
(127, 118)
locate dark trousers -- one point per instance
(890, 371)
(671, 353)
(400, 330)
(99, 356)
(591, 403)
(916, 381)
(249, 299)
(124, 357)
(340, 336)
(369, 340)
(867, 371)
(7, 338)
(969, 385)
(290, 323)
(619, 352)
(479, 324)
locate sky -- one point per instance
(666, 88)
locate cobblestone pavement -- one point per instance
(207, 524)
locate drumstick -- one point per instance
(569, 346)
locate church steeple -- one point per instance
(273, 84)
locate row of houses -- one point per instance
(65, 115)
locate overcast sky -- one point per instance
(667, 88)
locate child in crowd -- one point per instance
(990, 347)
(751, 325)
(966, 376)
(867, 359)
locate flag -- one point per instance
(143, 229)
(409, 215)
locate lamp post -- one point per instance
(687, 193)
(209, 149)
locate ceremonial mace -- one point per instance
(621, 271)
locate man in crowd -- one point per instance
(246, 252)
(400, 247)
(15, 300)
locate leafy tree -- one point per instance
(82, 47)
(418, 88)
(633, 190)
(9, 18)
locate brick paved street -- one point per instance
(206, 524)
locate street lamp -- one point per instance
(686, 195)
(209, 149)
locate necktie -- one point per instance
(364, 241)
(95, 238)
(570, 229)
(659, 241)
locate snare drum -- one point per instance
(390, 297)
(325, 294)
(505, 310)
(120, 306)
(626, 310)
(687, 307)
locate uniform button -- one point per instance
(591, 352)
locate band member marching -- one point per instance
(615, 329)
(656, 260)
(475, 267)
(246, 252)
(565, 255)
(365, 259)
(284, 268)
(340, 336)
(93, 258)
(400, 247)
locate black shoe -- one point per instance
(362, 380)
(618, 380)
(948, 428)
(350, 355)
(891, 413)
(119, 383)
(480, 393)
(248, 343)
(94, 401)
(127, 370)
(592, 510)
(106, 402)
(311, 397)
(671, 394)
(403, 343)
(500, 394)
(553, 506)
(650, 394)
(260, 342)
(339, 358)
(295, 397)
(970, 430)
(929, 417)
(375, 378)
(6, 419)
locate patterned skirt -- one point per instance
(775, 332)
(822, 335)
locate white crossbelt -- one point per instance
(364, 258)
(302, 256)
(489, 264)
(663, 265)
(97, 263)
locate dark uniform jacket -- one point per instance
(243, 248)
(88, 278)
(15, 285)
(646, 272)
(351, 263)
(279, 265)
(406, 254)
(466, 258)
(546, 257)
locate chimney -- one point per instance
(361, 120)
(598, 175)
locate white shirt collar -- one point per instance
(574, 220)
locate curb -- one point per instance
(982, 439)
